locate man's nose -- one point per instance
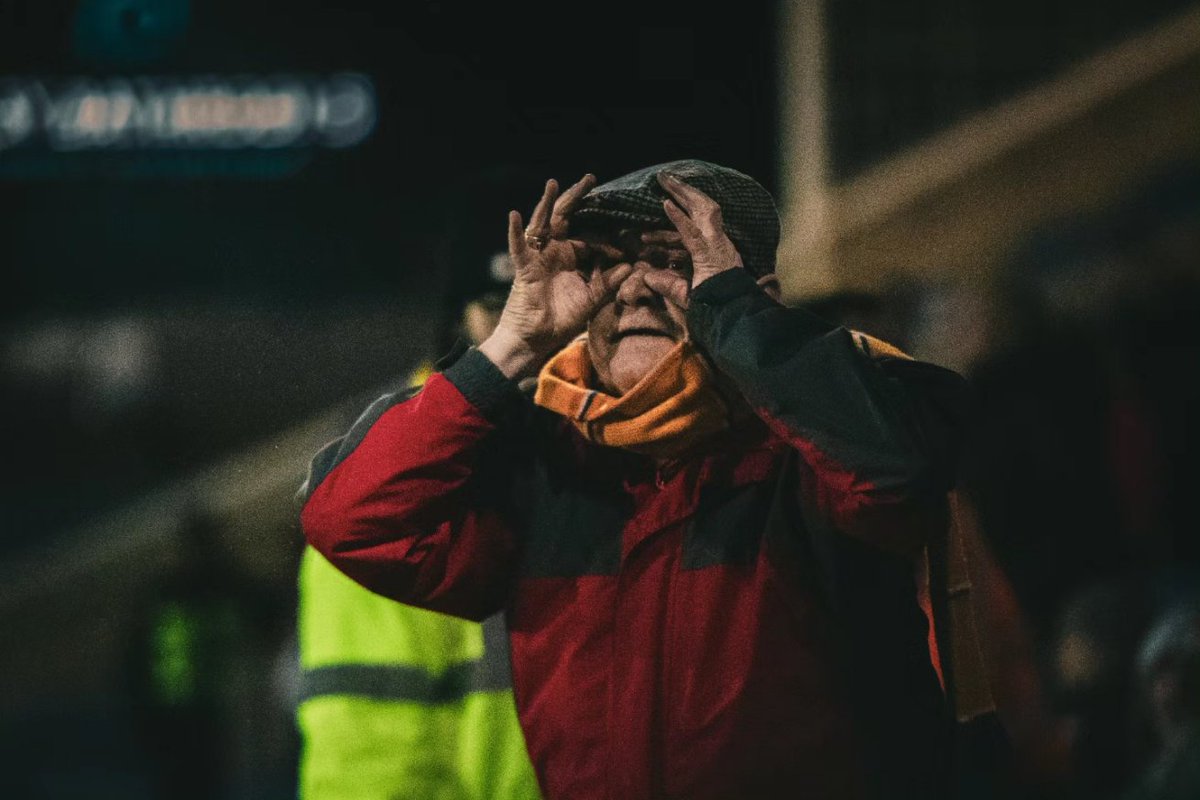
(634, 289)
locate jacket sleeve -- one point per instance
(878, 431)
(411, 503)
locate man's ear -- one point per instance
(770, 285)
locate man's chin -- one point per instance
(634, 356)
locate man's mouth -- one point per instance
(637, 331)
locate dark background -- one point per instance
(165, 311)
(250, 268)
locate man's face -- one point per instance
(634, 331)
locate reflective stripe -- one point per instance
(402, 682)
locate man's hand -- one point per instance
(697, 217)
(551, 299)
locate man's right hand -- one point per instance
(551, 299)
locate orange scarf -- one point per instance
(673, 407)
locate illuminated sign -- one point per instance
(208, 113)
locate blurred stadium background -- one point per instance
(225, 224)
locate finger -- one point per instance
(602, 245)
(661, 237)
(605, 283)
(683, 193)
(584, 253)
(705, 211)
(681, 190)
(590, 254)
(669, 285)
(539, 221)
(689, 232)
(518, 248)
(566, 203)
(609, 251)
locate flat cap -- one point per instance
(751, 220)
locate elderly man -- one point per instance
(702, 528)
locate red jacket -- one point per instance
(743, 626)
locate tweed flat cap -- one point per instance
(751, 221)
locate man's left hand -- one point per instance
(697, 217)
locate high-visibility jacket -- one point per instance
(398, 702)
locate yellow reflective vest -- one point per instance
(398, 702)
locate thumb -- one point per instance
(671, 286)
(605, 283)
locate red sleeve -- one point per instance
(404, 504)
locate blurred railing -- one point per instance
(956, 204)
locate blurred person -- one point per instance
(480, 316)
(1080, 459)
(1168, 672)
(201, 635)
(701, 530)
(1091, 683)
(397, 701)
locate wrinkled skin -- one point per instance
(628, 288)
